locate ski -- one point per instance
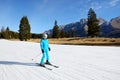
(53, 65)
(47, 68)
(44, 67)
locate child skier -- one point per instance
(45, 48)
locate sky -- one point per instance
(43, 13)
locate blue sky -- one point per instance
(42, 13)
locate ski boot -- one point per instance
(42, 65)
(47, 62)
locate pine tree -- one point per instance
(62, 34)
(24, 29)
(67, 34)
(2, 32)
(14, 35)
(56, 32)
(7, 33)
(93, 27)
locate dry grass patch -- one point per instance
(81, 41)
(86, 41)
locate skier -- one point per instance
(45, 48)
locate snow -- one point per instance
(17, 62)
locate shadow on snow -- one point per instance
(17, 63)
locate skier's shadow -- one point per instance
(16, 63)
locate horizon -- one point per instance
(42, 13)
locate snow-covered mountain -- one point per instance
(18, 62)
(108, 29)
(115, 22)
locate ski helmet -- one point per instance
(44, 36)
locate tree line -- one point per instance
(6, 33)
(24, 32)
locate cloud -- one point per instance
(113, 2)
(96, 5)
(89, 0)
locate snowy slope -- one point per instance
(17, 62)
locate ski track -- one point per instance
(75, 62)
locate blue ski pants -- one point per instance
(45, 56)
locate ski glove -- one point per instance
(49, 49)
(42, 51)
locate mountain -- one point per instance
(78, 27)
(115, 23)
(107, 29)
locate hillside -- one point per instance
(17, 62)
